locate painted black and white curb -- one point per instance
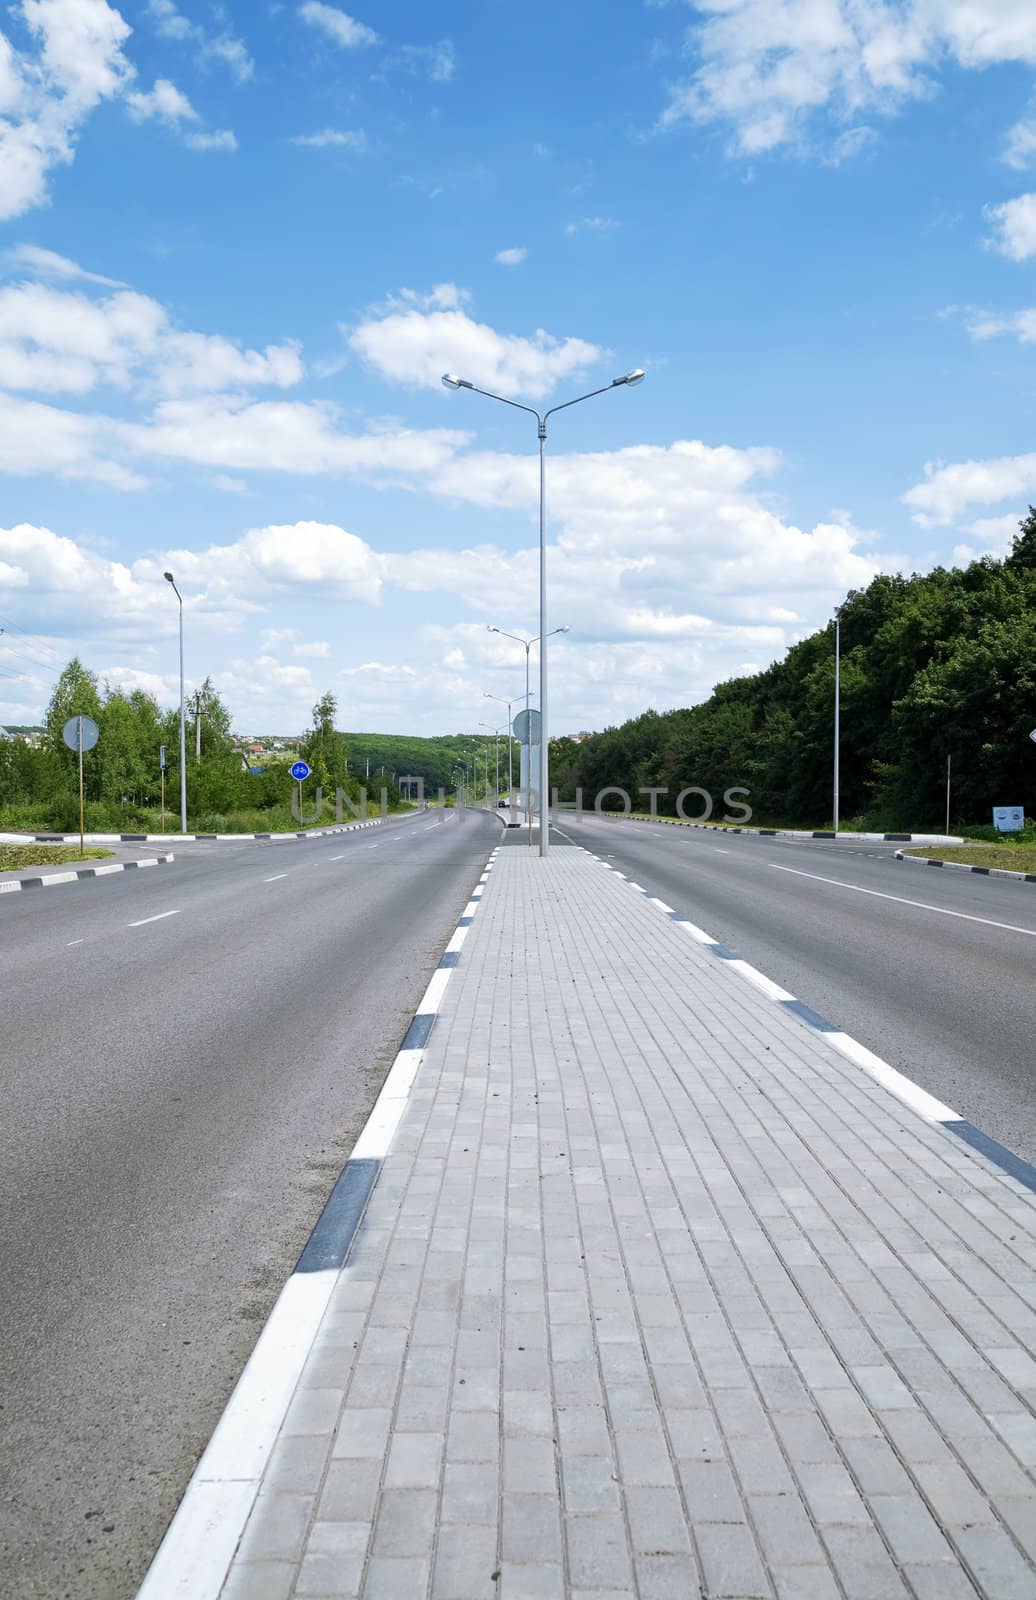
(195, 1556)
(911, 1094)
(965, 866)
(13, 885)
(789, 833)
(194, 838)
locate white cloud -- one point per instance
(1015, 225)
(1020, 148)
(319, 649)
(949, 490)
(220, 139)
(165, 101)
(513, 257)
(437, 61)
(592, 225)
(766, 68)
(417, 338)
(984, 325)
(337, 25)
(170, 23)
(344, 138)
(56, 340)
(48, 264)
(45, 97)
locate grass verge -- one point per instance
(15, 856)
(1011, 857)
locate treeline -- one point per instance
(39, 787)
(935, 665)
(436, 760)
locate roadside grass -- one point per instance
(15, 856)
(1012, 857)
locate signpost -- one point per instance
(161, 764)
(526, 729)
(80, 733)
(1008, 819)
(300, 771)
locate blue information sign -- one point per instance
(300, 771)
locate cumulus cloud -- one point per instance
(417, 338)
(1014, 227)
(591, 225)
(512, 257)
(165, 101)
(47, 94)
(984, 325)
(767, 69)
(63, 341)
(337, 25)
(948, 490)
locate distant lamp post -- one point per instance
(183, 732)
(527, 645)
(629, 380)
(496, 738)
(502, 700)
(838, 707)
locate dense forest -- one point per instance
(935, 665)
(439, 761)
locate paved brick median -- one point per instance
(657, 1296)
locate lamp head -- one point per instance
(451, 381)
(631, 379)
(490, 628)
(168, 577)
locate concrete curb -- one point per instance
(200, 1543)
(13, 885)
(911, 1094)
(965, 866)
(193, 838)
(786, 833)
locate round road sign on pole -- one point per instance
(300, 771)
(526, 727)
(80, 733)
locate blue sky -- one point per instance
(239, 245)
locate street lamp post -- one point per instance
(183, 732)
(451, 381)
(838, 706)
(510, 731)
(527, 645)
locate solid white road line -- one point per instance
(337, 858)
(276, 878)
(922, 905)
(145, 920)
(71, 942)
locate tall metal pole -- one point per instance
(948, 759)
(544, 773)
(183, 732)
(838, 696)
(528, 748)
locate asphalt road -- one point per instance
(933, 971)
(188, 1054)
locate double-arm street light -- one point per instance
(183, 734)
(453, 382)
(504, 701)
(527, 645)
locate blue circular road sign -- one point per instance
(300, 771)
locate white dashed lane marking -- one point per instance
(922, 905)
(275, 878)
(145, 920)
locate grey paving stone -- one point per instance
(730, 1561)
(657, 1260)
